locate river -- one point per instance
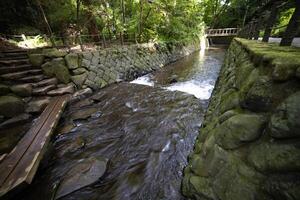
(140, 134)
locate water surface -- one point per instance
(145, 132)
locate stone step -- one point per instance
(19, 68)
(46, 82)
(37, 105)
(15, 51)
(30, 79)
(17, 57)
(40, 91)
(22, 74)
(13, 62)
(68, 89)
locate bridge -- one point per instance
(224, 32)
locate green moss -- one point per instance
(272, 53)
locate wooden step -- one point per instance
(30, 79)
(19, 166)
(19, 68)
(22, 74)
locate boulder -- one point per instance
(53, 53)
(285, 121)
(11, 106)
(62, 73)
(68, 89)
(48, 69)
(67, 128)
(82, 93)
(17, 120)
(85, 172)
(260, 95)
(199, 185)
(275, 157)
(79, 79)
(283, 72)
(58, 61)
(36, 59)
(4, 89)
(83, 113)
(236, 180)
(72, 60)
(23, 90)
(78, 71)
(298, 73)
(238, 130)
(38, 105)
(57, 68)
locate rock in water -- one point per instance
(85, 173)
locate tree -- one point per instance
(293, 27)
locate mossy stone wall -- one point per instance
(249, 144)
(101, 67)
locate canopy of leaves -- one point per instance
(142, 20)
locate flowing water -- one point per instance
(141, 131)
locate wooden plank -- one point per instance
(28, 165)
(12, 159)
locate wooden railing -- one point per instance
(222, 32)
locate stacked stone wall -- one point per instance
(99, 68)
(248, 146)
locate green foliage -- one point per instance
(284, 19)
(141, 20)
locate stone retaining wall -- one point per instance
(248, 146)
(99, 68)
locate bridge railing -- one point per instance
(222, 32)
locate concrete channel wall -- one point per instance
(248, 146)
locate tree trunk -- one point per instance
(77, 23)
(123, 21)
(92, 24)
(293, 27)
(141, 20)
(48, 27)
(271, 21)
(93, 29)
(257, 29)
(77, 14)
(245, 16)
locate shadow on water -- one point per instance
(145, 133)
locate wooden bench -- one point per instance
(19, 167)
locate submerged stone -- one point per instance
(84, 173)
(84, 113)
